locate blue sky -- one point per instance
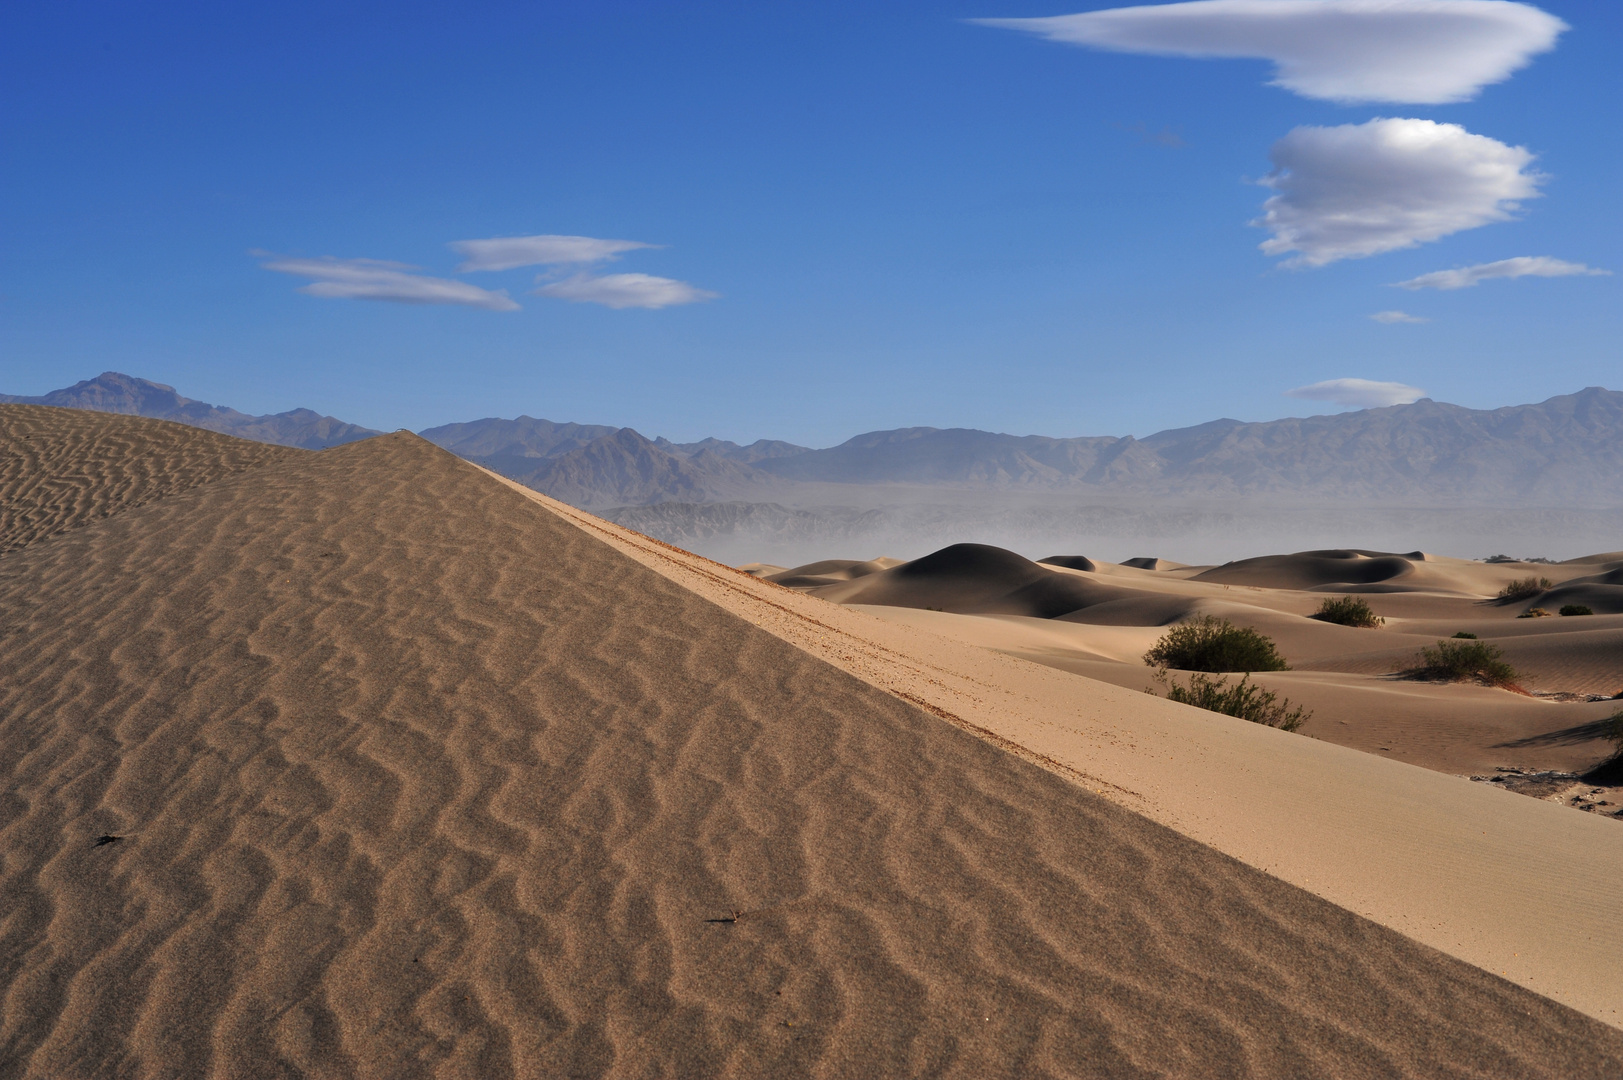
(864, 216)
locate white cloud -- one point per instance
(507, 252)
(626, 291)
(1422, 52)
(1360, 189)
(1398, 317)
(375, 279)
(1467, 277)
(1359, 393)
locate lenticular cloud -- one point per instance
(1468, 277)
(1360, 189)
(376, 279)
(1419, 52)
(1359, 393)
(508, 252)
(626, 291)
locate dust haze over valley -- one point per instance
(1541, 480)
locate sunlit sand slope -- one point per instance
(413, 778)
(62, 468)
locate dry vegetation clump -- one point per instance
(1523, 588)
(1458, 660)
(1215, 645)
(1244, 699)
(1577, 609)
(1534, 613)
(1610, 771)
(1465, 634)
(1348, 611)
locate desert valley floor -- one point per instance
(367, 762)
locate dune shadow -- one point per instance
(1571, 736)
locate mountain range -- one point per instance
(1565, 451)
(1568, 449)
(113, 392)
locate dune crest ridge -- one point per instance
(410, 776)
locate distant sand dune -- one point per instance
(413, 778)
(1315, 569)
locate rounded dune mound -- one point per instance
(830, 572)
(1603, 597)
(1331, 568)
(976, 579)
(1615, 558)
(1070, 562)
(1150, 562)
(64, 468)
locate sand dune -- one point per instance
(64, 468)
(973, 579)
(829, 572)
(410, 777)
(1353, 693)
(1315, 569)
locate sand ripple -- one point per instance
(62, 468)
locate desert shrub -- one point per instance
(1523, 588)
(1458, 660)
(1348, 611)
(1610, 770)
(1465, 634)
(1498, 559)
(1534, 613)
(1213, 644)
(1245, 699)
(1577, 609)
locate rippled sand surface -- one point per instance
(63, 468)
(410, 777)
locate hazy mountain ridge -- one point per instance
(1565, 451)
(113, 392)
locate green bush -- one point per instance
(1576, 609)
(1213, 644)
(1459, 660)
(1523, 588)
(1348, 611)
(1244, 699)
(1465, 634)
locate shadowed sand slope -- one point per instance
(972, 579)
(62, 468)
(413, 778)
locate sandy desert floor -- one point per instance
(1100, 621)
(365, 763)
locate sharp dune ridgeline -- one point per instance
(361, 762)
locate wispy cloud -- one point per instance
(1423, 52)
(508, 252)
(1359, 393)
(1398, 317)
(1356, 190)
(1467, 277)
(625, 291)
(375, 279)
